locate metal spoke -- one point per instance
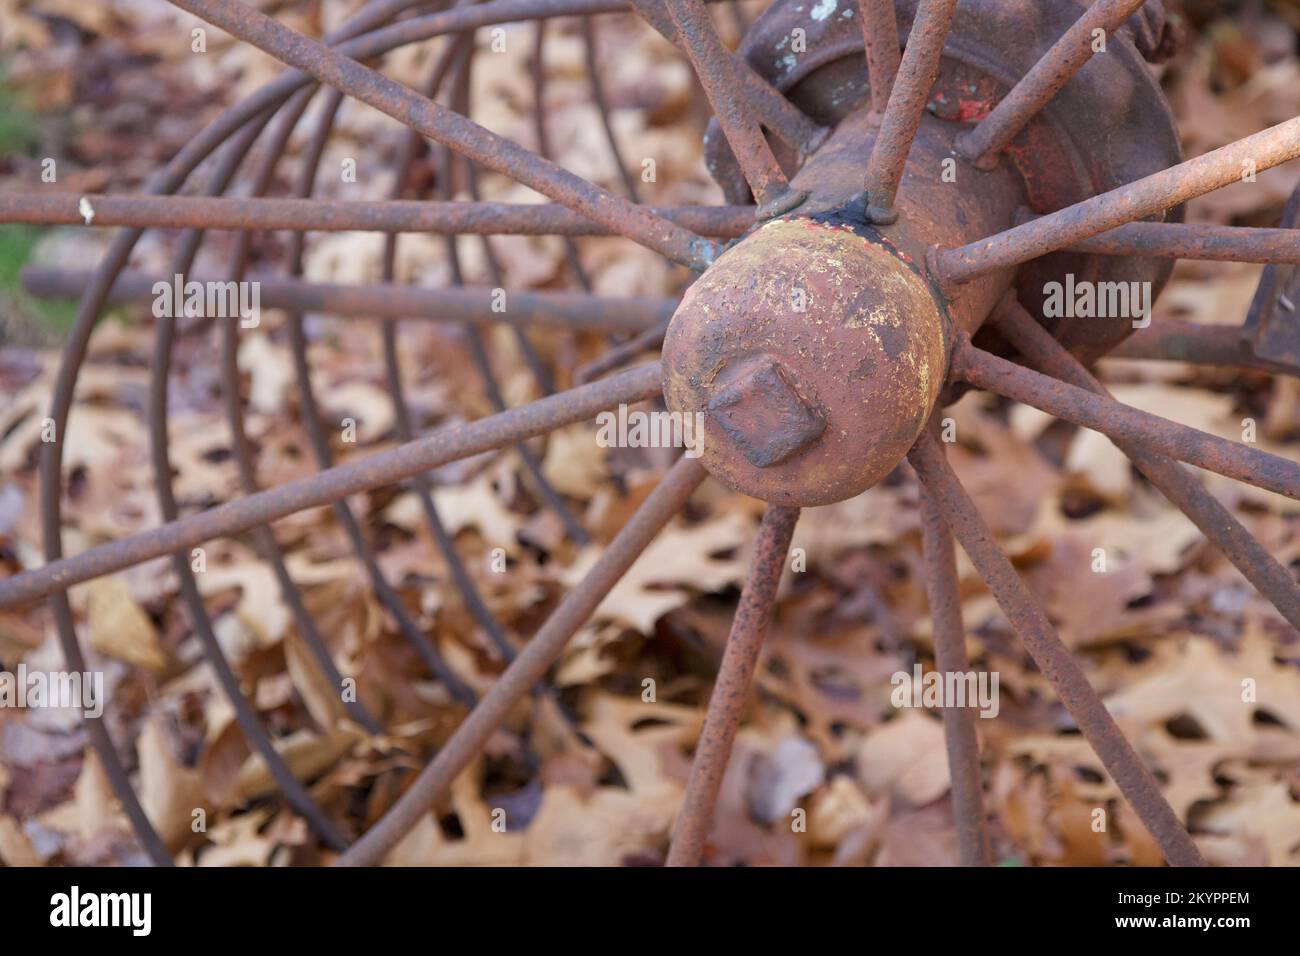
(1177, 240)
(1216, 522)
(767, 102)
(257, 111)
(1045, 78)
(917, 72)
(530, 665)
(1143, 430)
(731, 689)
(1145, 197)
(568, 311)
(601, 103)
(651, 340)
(159, 444)
(880, 40)
(373, 471)
(1172, 340)
(453, 130)
(944, 595)
(334, 215)
(713, 66)
(403, 423)
(264, 537)
(1029, 620)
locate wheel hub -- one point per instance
(814, 354)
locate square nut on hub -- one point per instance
(763, 415)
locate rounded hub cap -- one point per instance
(814, 354)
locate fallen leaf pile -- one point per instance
(1199, 671)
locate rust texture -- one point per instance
(1176, 240)
(880, 38)
(943, 593)
(1142, 429)
(1030, 621)
(775, 111)
(1037, 87)
(859, 340)
(576, 312)
(916, 75)
(1146, 197)
(334, 215)
(731, 689)
(713, 65)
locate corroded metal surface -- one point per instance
(731, 690)
(1029, 618)
(1107, 126)
(849, 347)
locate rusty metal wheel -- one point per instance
(895, 217)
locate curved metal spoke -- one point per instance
(1145, 197)
(943, 592)
(530, 665)
(1045, 78)
(917, 72)
(601, 102)
(402, 416)
(1141, 429)
(731, 689)
(454, 131)
(373, 471)
(159, 442)
(1216, 522)
(264, 537)
(1030, 621)
(257, 111)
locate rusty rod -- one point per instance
(916, 74)
(713, 65)
(731, 689)
(1136, 200)
(943, 593)
(382, 468)
(1177, 240)
(769, 104)
(1029, 619)
(333, 215)
(1216, 522)
(575, 312)
(530, 665)
(880, 38)
(454, 131)
(1044, 80)
(1173, 340)
(1142, 429)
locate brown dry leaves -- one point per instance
(1196, 668)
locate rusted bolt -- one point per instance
(763, 414)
